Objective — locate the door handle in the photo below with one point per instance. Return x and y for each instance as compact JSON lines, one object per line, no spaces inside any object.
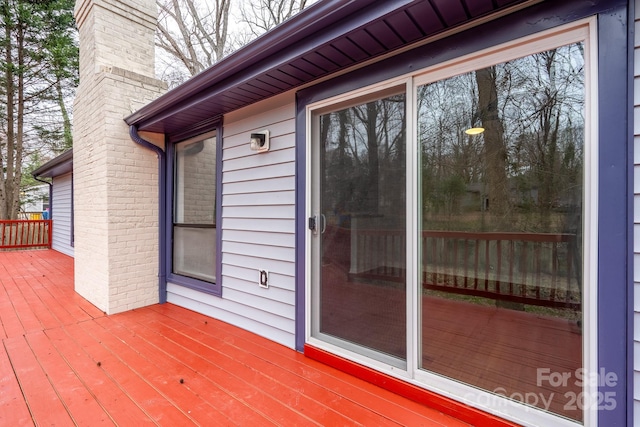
{"x":316,"y":222}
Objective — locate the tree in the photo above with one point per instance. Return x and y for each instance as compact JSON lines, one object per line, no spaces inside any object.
{"x":195,"y":34}
{"x":62,"y":54}
{"x":38,"y":73}
{"x":263,"y":15}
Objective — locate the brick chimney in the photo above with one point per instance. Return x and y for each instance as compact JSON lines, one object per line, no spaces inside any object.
{"x":115,"y":180}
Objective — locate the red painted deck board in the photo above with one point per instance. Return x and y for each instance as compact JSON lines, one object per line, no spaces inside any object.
{"x":13,"y":408}
{"x":323,"y":408}
{"x":379,"y":401}
{"x":265,"y":402}
{"x":77,"y":399}
{"x":64,"y":361}
{"x":42,"y":399}
{"x":120,"y":407}
{"x":9,"y":319}
{"x":24,"y":313}
{"x":45,"y":318}
{"x":160,"y":407}
{"x":283,"y":369}
{"x":161,"y":372}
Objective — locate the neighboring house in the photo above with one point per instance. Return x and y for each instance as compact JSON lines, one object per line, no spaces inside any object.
{"x":303,"y":189}
{"x":35,"y":200}
{"x":60,"y":173}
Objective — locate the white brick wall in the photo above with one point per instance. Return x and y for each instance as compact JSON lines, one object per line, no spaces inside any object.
{"x":116,"y":32}
{"x":115,"y":180}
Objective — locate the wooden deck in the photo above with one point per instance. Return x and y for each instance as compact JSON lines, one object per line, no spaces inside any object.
{"x":64,"y":362}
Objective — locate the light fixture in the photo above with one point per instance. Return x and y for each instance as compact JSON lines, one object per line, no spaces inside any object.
{"x":474,"y":131}
{"x":259,"y":141}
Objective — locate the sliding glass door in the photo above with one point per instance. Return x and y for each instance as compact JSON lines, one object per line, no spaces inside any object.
{"x":448,"y":211}
{"x":361,"y":226}
{"x":501,"y":178}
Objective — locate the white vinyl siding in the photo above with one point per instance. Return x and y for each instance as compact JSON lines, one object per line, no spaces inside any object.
{"x":258,"y":225}
{"x":61,"y":214}
{"x":636,"y":221}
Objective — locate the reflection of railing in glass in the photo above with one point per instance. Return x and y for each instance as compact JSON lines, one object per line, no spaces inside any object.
{"x":527,"y":268}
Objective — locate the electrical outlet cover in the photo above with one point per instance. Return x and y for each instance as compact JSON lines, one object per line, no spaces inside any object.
{"x":263,"y":279}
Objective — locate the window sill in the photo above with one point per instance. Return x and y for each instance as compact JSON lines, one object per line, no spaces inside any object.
{"x":195,"y":284}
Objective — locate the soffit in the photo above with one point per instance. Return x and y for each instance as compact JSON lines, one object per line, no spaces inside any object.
{"x":57,"y":166}
{"x":327,"y":38}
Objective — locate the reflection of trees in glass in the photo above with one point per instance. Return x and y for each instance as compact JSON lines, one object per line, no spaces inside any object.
{"x":363,"y":149}
{"x":524,"y":170}
{"x":551,"y":122}
{"x":495,"y":150}
{"x":449,"y":156}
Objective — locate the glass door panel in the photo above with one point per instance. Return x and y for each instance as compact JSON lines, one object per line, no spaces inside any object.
{"x":361,"y":230}
{"x":501,"y":187}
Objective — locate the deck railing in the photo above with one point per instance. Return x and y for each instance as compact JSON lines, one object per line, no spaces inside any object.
{"x":530,"y":268}
{"x":22,"y":234}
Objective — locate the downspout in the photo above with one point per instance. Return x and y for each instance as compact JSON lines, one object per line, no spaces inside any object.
{"x":50,"y":216}
{"x":162,"y":198}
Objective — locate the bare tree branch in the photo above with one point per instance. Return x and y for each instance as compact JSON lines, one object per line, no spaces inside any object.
{"x":263,"y":15}
{"x":194,"y":33}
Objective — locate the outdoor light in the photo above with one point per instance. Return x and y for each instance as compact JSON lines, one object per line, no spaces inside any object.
{"x":474,"y":131}
{"x":260,"y":141}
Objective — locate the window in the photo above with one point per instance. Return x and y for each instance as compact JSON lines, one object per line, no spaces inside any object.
{"x":194,"y":209}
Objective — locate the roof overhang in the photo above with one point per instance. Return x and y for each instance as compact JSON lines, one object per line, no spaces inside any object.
{"x":327,"y":38}
{"x":59,"y":165}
